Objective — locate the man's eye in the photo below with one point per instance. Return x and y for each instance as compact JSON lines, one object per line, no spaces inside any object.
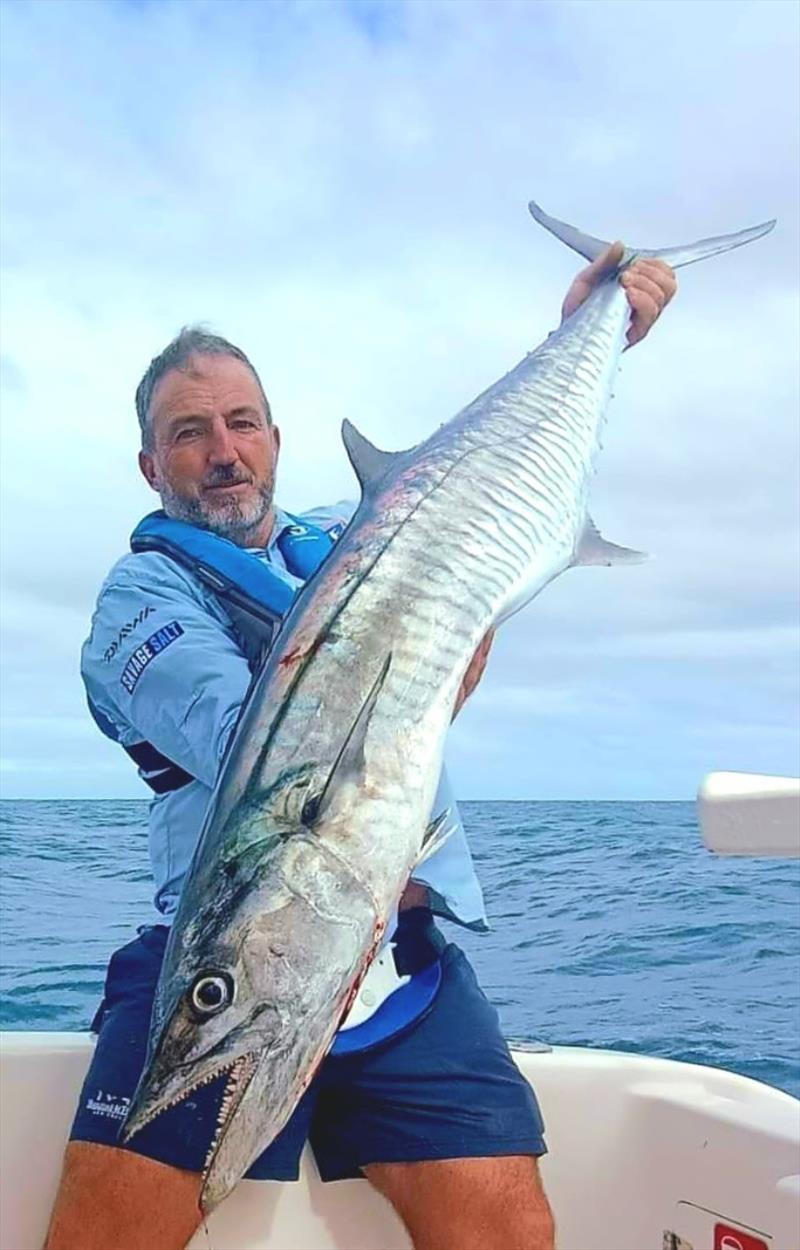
{"x":243,"y":424}
{"x":186,"y":433}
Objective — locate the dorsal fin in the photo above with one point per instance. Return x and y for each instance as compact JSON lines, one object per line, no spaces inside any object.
{"x":370,"y":463}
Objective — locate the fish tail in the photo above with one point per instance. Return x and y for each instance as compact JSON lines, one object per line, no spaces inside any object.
{"x":590,"y":247}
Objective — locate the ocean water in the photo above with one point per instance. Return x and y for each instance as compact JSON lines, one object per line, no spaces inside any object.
{"x":612,"y":927}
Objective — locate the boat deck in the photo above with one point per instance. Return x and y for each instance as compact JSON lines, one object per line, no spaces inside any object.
{"x":644,"y":1154}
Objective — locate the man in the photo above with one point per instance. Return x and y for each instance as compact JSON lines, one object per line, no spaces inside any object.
{"x":433,"y":1112}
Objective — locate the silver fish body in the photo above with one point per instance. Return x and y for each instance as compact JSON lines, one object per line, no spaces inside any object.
{"x":324,"y":801}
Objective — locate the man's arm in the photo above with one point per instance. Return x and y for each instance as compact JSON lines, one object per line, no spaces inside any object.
{"x":186,"y":696}
{"x":164,"y":668}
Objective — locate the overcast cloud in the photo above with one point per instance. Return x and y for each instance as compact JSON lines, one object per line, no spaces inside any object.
{"x":341,"y":188}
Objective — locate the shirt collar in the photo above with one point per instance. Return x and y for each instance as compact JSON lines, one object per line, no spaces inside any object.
{"x":282,"y":519}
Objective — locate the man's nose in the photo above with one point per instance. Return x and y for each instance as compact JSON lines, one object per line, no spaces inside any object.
{"x":222,"y":446}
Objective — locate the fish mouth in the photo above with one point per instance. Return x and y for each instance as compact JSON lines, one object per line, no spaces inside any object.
{"x":145,"y":1107}
{"x":240,"y":1074}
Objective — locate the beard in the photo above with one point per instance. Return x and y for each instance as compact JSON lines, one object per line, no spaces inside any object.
{"x":231,"y":518}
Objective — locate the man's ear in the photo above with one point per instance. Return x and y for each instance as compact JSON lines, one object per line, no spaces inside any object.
{"x":147,"y":465}
{"x":276,"y":444}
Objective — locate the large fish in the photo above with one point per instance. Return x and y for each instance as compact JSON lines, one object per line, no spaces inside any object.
{"x":323,"y":805}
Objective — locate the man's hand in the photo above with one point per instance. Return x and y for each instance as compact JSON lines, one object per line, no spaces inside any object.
{"x":474,"y":673}
{"x":648,"y":284}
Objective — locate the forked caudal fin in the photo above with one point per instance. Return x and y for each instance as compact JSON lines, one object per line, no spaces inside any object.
{"x":586,"y":245}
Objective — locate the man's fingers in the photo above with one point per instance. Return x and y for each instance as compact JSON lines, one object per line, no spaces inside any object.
{"x":649,"y":286}
{"x":648,"y":283}
{"x":645,"y":312}
{"x":639,"y":281}
{"x":478,"y":662}
{"x":659,"y":273}
{"x":474,"y":671}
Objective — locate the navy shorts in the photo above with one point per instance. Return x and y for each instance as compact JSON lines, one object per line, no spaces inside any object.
{"x":446,"y":1088}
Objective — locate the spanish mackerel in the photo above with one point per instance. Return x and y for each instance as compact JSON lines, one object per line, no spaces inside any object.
{"x":323,"y":805}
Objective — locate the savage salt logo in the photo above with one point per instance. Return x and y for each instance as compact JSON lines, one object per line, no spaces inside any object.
{"x":150,"y":648}
{"x":128,"y":628}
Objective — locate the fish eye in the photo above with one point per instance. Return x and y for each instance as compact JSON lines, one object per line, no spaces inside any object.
{"x":211,"y":992}
{"x":310,"y":810}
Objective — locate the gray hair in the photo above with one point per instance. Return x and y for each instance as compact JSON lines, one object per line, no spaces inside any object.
{"x":191,"y":341}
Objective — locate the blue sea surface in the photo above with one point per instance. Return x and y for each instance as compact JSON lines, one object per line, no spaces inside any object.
{"x":612,"y":927}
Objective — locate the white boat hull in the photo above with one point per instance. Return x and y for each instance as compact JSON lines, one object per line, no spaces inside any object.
{"x":639,"y":1148}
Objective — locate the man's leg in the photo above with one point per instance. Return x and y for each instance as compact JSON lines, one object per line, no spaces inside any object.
{"x":469,"y":1204}
{"x":142,"y":1199}
{"x":114,"y":1198}
{"x":441,"y":1121}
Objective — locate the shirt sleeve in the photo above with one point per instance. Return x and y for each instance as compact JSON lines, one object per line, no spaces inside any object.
{"x":164,"y":668}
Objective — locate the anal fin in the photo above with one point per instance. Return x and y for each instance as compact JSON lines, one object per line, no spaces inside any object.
{"x":592,"y":548}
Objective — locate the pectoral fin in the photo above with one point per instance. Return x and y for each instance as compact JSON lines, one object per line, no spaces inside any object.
{"x":349,"y":767}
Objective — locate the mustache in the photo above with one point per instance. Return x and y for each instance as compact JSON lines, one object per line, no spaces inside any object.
{"x":227,"y":475}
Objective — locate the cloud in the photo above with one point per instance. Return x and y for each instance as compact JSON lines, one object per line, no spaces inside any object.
{"x":341,"y":187}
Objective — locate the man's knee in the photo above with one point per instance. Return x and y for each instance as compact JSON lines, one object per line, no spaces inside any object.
{"x":111,"y":1197}
{"x":469,"y":1204}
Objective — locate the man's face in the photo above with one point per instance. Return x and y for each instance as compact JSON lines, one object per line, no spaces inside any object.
{"x":213,"y":451}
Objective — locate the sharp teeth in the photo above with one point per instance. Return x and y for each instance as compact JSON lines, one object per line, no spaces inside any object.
{"x":231,"y":1068}
{"x":239,"y":1074}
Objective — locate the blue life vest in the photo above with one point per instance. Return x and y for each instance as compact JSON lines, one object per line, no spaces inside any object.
{"x":235,"y":574}
{"x":257,"y":599}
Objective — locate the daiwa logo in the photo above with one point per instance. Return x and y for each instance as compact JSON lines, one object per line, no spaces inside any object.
{"x":112,"y":1106}
{"x":127,"y":628}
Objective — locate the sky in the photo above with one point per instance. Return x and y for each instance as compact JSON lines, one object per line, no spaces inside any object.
{"x":341,"y":189}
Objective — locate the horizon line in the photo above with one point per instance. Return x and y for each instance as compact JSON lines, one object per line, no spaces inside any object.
{"x":66,"y":798}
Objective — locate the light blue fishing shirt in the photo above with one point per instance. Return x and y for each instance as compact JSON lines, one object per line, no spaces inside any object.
{"x":185,"y":700}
